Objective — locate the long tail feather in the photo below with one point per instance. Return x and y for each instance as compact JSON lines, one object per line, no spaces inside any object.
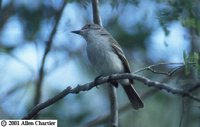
{"x":133,"y":96}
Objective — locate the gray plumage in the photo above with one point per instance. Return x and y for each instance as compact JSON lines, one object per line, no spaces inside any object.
{"x":107,"y":57}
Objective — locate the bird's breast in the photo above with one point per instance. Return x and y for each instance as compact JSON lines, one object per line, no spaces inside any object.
{"x":103,"y":59}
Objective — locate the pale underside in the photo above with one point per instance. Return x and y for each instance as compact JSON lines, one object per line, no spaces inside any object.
{"x":104,"y":60}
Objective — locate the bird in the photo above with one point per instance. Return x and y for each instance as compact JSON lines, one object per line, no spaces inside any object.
{"x":107,"y":57}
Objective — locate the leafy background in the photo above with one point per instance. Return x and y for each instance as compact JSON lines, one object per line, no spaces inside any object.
{"x":150,"y":32}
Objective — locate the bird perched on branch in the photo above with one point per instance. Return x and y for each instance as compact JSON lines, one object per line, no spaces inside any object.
{"x":107,"y":57}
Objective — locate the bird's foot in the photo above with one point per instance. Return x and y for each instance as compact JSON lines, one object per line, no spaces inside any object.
{"x":96,"y":79}
{"x":113,"y":82}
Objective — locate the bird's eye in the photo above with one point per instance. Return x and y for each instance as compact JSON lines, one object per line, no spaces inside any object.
{"x":89,"y":25}
{"x":86,"y":26}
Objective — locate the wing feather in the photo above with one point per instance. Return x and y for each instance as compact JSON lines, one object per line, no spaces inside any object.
{"x":117,"y":49}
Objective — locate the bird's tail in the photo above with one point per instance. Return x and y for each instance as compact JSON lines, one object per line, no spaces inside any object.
{"x":133,"y":96}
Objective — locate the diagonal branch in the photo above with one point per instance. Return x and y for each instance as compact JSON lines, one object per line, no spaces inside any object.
{"x":194,"y":87}
{"x":106,"y":79}
{"x":47,"y":49}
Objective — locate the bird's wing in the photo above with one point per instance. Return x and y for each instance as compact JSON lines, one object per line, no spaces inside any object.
{"x":117,"y":49}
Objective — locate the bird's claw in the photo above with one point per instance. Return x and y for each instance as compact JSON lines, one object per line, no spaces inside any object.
{"x":113,"y":82}
{"x":96,"y":79}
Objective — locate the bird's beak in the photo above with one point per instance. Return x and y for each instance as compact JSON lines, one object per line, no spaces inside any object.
{"x":77,"y":32}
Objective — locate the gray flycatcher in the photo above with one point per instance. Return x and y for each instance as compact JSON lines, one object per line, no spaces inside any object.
{"x":107,"y":57}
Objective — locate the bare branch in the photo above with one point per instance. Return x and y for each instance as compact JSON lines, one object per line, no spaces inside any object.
{"x":106,"y":79}
{"x":156,"y":65}
{"x":169,"y":73}
{"x":96,"y":14}
{"x":194,"y":87}
{"x":113,"y":105}
{"x":47,"y":49}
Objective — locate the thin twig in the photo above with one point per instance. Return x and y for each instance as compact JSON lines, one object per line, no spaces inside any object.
{"x":103,"y":80}
{"x":169,"y":73}
{"x":47,"y":49}
{"x":96,"y":14}
{"x":173,"y":71}
{"x":194,"y":87}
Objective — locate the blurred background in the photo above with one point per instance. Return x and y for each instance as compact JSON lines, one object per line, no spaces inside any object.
{"x":149,"y":31}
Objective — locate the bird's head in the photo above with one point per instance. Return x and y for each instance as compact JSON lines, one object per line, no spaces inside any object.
{"x":91,"y":31}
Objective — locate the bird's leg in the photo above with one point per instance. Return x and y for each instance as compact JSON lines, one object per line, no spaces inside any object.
{"x":113,"y":82}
